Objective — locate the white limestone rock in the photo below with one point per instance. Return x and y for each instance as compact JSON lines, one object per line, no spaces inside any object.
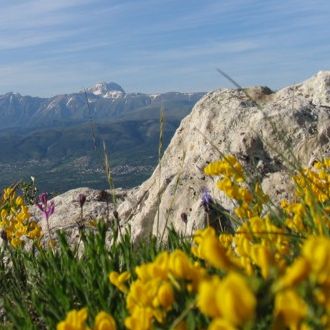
{"x":67,"y":214}
{"x":292,"y":123}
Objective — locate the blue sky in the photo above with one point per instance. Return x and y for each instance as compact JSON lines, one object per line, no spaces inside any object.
{"x":50,"y":47}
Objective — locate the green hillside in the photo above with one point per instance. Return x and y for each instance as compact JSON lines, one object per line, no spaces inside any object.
{"x":64,"y":158}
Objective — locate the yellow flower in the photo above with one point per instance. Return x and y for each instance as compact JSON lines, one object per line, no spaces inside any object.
{"x":236,"y":300}
{"x":263,"y":258}
{"x":229,"y":166}
{"x":15,"y":242}
{"x":34,"y":230}
{"x":8,"y":193}
{"x":3,"y":214}
{"x":165,"y":295}
{"x":317,"y":251}
{"x":104,"y":321}
{"x":294,"y":274}
{"x":312,"y":185}
{"x":259,"y":193}
{"x":226,"y":240}
{"x":210,"y":249}
{"x":179,"y":264}
{"x":158,"y":268}
{"x":141,"y":319}
{"x":119,"y":280}
{"x":245,"y":195}
{"x":249,"y":199}
{"x":206,"y":298}
{"x":15,"y":220}
{"x":221,"y":324}
{"x":75,"y":320}
{"x":230,"y":299}
{"x":19,"y":201}
{"x":215,"y":253}
{"x":214,"y":168}
{"x":290,"y":308}
{"x":229,"y":187}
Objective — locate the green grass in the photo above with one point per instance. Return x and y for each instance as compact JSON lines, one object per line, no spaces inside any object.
{"x":39,"y":287}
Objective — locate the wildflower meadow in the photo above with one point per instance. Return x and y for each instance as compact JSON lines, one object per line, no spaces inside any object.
{"x":269,"y":270}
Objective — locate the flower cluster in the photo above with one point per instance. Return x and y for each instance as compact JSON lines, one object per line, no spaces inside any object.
{"x":15,"y":219}
{"x":310,"y":214}
{"x":230,"y":302}
{"x":76,"y":320}
{"x":249,"y":198}
{"x":152,"y":295}
{"x":292,"y":253}
{"x":314,"y":182}
{"x":309,"y":273}
{"x":275,"y":264}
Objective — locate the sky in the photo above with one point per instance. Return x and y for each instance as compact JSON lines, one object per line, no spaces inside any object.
{"x":50,"y":47}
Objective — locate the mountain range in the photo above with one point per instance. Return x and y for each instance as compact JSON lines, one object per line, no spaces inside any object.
{"x":102,"y":102}
{"x":59,"y":140}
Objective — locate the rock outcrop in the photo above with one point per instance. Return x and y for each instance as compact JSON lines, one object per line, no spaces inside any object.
{"x":265,"y":130}
{"x":68,"y":214}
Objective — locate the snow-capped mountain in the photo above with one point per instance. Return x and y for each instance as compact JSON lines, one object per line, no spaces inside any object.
{"x":105,"y":101}
{"x":109,"y":90}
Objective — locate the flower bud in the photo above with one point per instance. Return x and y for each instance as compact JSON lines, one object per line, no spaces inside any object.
{"x":82,"y":200}
{"x":184,"y":217}
{"x":3,"y":235}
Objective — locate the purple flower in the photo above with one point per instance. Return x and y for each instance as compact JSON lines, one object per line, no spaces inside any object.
{"x":46,"y":208}
{"x":207,"y":199}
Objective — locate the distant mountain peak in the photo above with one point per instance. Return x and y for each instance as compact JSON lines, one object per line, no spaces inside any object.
{"x":106,"y":89}
{"x":13,"y":94}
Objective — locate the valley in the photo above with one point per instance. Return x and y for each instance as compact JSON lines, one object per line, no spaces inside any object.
{"x":59,"y":140}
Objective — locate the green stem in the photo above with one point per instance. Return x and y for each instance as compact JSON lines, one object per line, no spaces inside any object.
{"x":183,"y":315}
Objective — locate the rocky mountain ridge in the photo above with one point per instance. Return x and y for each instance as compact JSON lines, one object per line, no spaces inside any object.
{"x":105,"y":101}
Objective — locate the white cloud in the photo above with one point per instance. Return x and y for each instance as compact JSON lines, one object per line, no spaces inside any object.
{"x":199,"y":51}
{"x":36,"y":22}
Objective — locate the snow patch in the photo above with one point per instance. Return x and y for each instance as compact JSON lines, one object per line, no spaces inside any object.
{"x":109,"y":90}
{"x":114,"y":95}
{"x":69,"y":101}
